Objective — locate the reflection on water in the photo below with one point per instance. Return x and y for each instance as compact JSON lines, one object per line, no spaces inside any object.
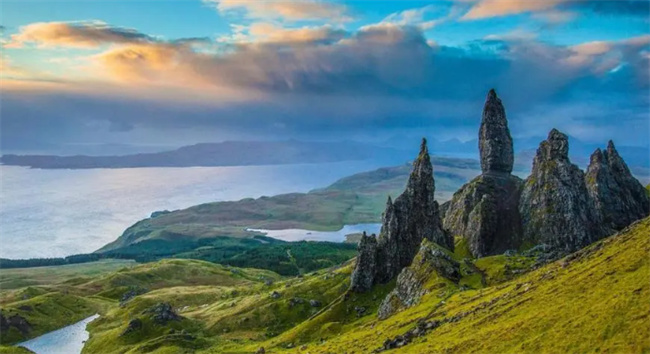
{"x":333,"y":236}
{"x":54,"y":213}
{"x":67,"y":340}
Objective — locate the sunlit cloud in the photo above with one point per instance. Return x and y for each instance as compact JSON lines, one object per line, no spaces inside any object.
{"x":297,"y":10}
{"x":495,"y":8}
{"x":86,"y":34}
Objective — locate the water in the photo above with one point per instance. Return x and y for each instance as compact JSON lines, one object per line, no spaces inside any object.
{"x":332,"y":236}
{"x":55,"y":213}
{"x":67,"y":340}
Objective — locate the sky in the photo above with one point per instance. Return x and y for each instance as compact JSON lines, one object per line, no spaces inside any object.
{"x":186,"y":71}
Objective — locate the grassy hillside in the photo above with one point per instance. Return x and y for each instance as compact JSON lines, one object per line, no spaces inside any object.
{"x":59,"y":303}
{"x":596,"y":300}
{"x":21,"y":277}
{"x":356,"y":199}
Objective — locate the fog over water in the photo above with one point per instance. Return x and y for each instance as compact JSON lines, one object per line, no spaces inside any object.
{"x":55,"y":213}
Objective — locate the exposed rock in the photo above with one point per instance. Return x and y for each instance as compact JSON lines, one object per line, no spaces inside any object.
{"x":261,"y":351}
{"x":618,"y":197}
{"x":431,"y":259}
{"x":158,"y":213}
{"x":315,"y":303}
{"x":163,"y":313}
{"x":364,"y":273}
{"x":413,"y":217}
{"x":295,"y":301}
{"x":494,"y":141}
{"x":131,"y":293}
{"x":275,"y":295}
{"x":360,"y":310}
{"x":17,"y":321}
{"x":555,"y":206}
{"x":134,"y":325}
{"x":485,"y":211}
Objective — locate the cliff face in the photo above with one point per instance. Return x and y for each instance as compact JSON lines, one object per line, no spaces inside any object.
{"x":485,"y":210}
{"x":555,"y":206}
{"x":412,"y":217}
{"x":618,"y":197}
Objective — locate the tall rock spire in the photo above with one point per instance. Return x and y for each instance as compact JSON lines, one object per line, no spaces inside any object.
{"x":412,"y":217}
{"x":494,"y":141}
{"x":618,"y":197}
{"x":485,"y":211}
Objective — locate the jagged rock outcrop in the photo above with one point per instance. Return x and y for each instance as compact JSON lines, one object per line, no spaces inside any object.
{"x":555,"y":206}
{"x":363,"y":276}
{"x":17,"y":321}
{"x":618,"y":197}
{"x":162,"y":313}
{"x":432,"y":268}
{"x":412,"y":217}
{"x":485,"y":211}
{"x":494,"y":140}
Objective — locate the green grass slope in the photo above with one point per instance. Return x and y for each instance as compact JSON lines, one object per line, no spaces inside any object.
{"x":22,"y":277}
{"x":216,"y":315}
{"x":596,"y":300}
{"x":64,"y":300}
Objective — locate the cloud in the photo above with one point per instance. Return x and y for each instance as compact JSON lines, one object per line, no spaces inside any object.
{"x":298,"y":10}
{"x":494,"y":8}
{"x":381,"y":78}
{"x":604,"y":56}
{"x":554,"y":11}
{"x":9,"y":70}
{"x":555,"y":17}
{"x":417,"y":17}
{"x":265,"y":33}
{"x":74,"y":34}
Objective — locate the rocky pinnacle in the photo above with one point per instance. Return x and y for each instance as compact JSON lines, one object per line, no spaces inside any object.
{"x":412,"y":217}
{"x":495,"y":142}
{"x":485,"y":211}
{"x":555,"y":207}
{"x":618,"y":197}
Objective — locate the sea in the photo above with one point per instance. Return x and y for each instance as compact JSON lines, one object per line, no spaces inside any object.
{"x":56,"y":213}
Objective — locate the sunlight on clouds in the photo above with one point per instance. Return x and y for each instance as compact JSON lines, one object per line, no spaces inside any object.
{"x":87,"y":34}
{"x":493,"y":8}
{"x":269,"y":33}
{"x":299,"y":10}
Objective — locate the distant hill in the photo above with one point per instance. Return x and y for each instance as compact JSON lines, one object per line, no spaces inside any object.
{"x":229,"y":153}
{"x":356,"y":199}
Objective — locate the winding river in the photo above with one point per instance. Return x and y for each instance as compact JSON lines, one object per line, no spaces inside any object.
{"x":67,"y":340}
